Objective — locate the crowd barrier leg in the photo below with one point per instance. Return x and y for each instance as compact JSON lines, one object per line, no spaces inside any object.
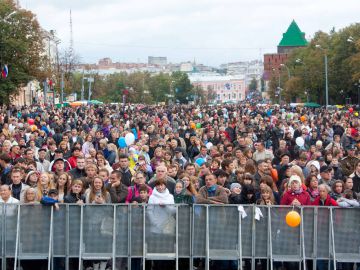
{"x":144,"y":237}
{"x":239,"y":243}
{"x":332,"y":237}
{"x":129,"y":237}
{"x":253,"y":240}
{"x":114,"y":239}
{"x":207,"y":240}
{"x":67,"y":235}
{"x":177,"y":238}
{"x":270,"y":240}
{"x":3,"y":236}
{"x":315,"y":238}
{"x":192,"y":225}
{"x":17,"y":241}
{"x":51,"y":238}
{"x":302,"y":242}
{"x":81,"y":237}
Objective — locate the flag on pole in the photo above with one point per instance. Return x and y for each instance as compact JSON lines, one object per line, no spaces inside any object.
{"x":5,"y":71}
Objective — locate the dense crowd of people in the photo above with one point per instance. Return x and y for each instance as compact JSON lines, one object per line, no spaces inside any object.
{"x":229,"y":154}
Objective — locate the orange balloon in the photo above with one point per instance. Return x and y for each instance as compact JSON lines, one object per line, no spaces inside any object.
{"x":33,"y":127}
{"x":192,"y":125}
{"x":303,"y":118}
{"x":293,"y":219}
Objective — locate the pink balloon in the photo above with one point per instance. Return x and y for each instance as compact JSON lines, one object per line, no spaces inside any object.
{"x":31,"y":121}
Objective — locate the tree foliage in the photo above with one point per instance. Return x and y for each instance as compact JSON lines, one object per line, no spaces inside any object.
{"x":307,"y":68}
{"x":140,"y":87}
{"x":21,"y":48}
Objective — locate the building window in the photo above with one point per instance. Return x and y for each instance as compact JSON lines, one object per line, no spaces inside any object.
{"x":234,"y":96}
{"x":218,"y":96}
{"x":229,"y":96}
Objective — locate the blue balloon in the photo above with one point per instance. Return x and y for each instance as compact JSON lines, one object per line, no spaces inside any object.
{"x":200,"y":161}
{"x":121,"y":142}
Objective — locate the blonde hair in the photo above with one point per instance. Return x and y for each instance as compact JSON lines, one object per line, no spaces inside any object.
{"x":50,"y":185}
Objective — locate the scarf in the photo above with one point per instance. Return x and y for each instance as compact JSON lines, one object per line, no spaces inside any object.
{"x":314,"y":193}
{"x":211,"y":190}
{"x":299,"y":191}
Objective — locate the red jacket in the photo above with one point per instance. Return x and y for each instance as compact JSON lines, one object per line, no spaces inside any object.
{"x":328,"y":202}
{"x":289,"y":196}
{"x":72,"y":161}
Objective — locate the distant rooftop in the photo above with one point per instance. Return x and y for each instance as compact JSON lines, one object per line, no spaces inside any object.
{"x":293,"y":37}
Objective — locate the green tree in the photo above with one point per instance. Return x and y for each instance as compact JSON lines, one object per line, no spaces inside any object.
{"x":252,"y":85}
{"x":21,"y":48}
{"x":181,"y":87}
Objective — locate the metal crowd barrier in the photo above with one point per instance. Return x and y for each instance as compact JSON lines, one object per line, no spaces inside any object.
{"x":173,"y":232}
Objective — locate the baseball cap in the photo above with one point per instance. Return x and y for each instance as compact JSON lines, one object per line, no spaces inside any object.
{"x":325,"y":168}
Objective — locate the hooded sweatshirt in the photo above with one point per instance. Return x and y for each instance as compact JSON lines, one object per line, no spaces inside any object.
{"x":161,"y":212}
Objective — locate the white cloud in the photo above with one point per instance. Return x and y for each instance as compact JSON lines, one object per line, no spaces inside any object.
{"x":212,"y":31}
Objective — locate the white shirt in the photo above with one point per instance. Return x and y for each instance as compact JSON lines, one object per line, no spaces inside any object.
{"x":10,"y":200}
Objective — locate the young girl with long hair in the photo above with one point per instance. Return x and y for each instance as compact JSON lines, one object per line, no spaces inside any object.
{"x":97,"y":192}
{"x":63,"y":185}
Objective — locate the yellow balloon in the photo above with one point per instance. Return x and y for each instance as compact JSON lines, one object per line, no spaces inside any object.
{"x":293,"y":219}
{"x":356,"y":114}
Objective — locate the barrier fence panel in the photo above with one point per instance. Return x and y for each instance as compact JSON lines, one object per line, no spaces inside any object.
{"x":60,"y":237}
{"x":97,"y":231}
{"x":199,"y":231}
{"x":122,"y":229}
{"x":74,"y":230}
{"x":309,"y":237}
{"x":223,"y":232}
{"x":34,"y":232}
{"x":285,"y":240}
{"x":10,"y":229}
{"x":261,"y":233}
{"x":323,"y":233}
{"x":184,"y":227}
{"x":136,"y":230}
{"x":346,"y":232}
{"x":169,"y":232}
{"x":160,"y":227}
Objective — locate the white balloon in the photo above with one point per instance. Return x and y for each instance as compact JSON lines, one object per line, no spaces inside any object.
{"x":300,"y":141}
{"x":129,"y":139}
{"x":209,"y":145}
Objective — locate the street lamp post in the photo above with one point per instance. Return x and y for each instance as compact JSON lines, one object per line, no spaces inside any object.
{"x":326,"y":75}
{"x":287,"y":68}
{"x":279,"y":87}
{"x":358,"y":91}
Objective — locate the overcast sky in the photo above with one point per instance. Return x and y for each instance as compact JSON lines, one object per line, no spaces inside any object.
{"x":210,"y":31}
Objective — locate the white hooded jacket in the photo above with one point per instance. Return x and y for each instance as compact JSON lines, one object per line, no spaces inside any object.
{"x":161,"y":211}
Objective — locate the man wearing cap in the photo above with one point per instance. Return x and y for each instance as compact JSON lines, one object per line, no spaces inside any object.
{"x":348,"y":162}
{"x":178,"y":158}
{"x":59,"y":166}
{"x":44,"y":162}
{"x":326,"y":177}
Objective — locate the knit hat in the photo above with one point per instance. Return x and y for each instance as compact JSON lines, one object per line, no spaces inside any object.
{"x":293,"y":178}
{"x":234,"y":185}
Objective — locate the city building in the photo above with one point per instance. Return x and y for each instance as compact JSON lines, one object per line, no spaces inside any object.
{"x":249,"y":69}
{"x":157,"y":60}
{"x":219,"y":88}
